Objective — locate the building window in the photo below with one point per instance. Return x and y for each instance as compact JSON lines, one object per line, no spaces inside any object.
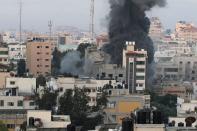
{"x":38,"y":59}
{"x":20,"y":103}
{"x":61,"y":89}
{"x":110,"y":75}
{"x":140,"y":62}
{"x":10,"y":126}
{"x":1,"y":102}
{"x":140,"y":77}
{"x":10,"y":103}
{"x":38,"y":66}
{"x":47,"y":53}
{"x":38,"y":46}
{"x":46,"y":65}
{"x":140,"y":70}
{"x":47,"y":46}
{"x":120,"y":75}
{"x":38,"y":53}
{"x":111,"y":104}
{"x":46,"y":59}
{"x":12,"y":82}
{"x":31,"y":103}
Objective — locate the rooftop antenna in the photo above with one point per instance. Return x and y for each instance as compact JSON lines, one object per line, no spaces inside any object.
{"x":92,"y":21}
{"x":20,"y":21}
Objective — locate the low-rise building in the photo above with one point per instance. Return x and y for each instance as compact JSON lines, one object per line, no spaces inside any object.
{"x":94,"y":86}
{"x":4,"y":59}
{"x":24,"y":85}
{"x":111,"y":72}
{"x":42,"y":120}
{"x":121,"y":104}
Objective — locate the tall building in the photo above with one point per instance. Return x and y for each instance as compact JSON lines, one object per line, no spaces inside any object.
{"x":135,"y":62}
{"x":156,"y":29}
{"x":16,"y":52}
{"x":186,"y":31}
{"x":39,"y":57}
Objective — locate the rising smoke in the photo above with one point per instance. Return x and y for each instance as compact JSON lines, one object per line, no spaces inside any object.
{"x":128,"y":22}
{"x":72,"y":63}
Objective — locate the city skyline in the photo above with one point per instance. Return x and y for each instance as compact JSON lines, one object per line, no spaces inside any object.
{"x":36,"y":14}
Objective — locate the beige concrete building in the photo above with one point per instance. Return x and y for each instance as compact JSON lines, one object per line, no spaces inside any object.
{"x":3,"y":76}
{"x":186,"y":31}
{"x":39,"y":57}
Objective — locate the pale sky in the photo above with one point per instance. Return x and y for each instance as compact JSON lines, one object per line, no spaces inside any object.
{"x":37,"y":13}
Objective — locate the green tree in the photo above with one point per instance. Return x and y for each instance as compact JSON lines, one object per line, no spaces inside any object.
{"x":47,"y":101}
{"x":21,"y":67}
{"x":102,"y":101}
{"x":166,"y":104}
{"x":3,"y":127}
{"x":40,"y":81}
{"x":75,"y":103}
{"x":56,"y":61}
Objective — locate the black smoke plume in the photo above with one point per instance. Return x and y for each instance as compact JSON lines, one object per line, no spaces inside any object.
{"x":128,"y":22}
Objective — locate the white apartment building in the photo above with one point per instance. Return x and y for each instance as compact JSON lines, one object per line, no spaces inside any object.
{"x":16,"y":103}
{"x":135,"y":62}
{"x":17,"y":52}
{"x":186,"y":31}
{"x":24,"y":85}
{"x":90,"y":84}
{"x":4,"y":56}
{"x":156,"y":28}
{"x":182,"y":67}
{"x":8,"y":37}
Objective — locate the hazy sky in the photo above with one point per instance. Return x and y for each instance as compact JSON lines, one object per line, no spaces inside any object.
{"x":37,"y":13}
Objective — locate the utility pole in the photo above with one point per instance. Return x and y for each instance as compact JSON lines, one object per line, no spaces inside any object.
{"x":92,"y":21}
{"x":50,"y":30}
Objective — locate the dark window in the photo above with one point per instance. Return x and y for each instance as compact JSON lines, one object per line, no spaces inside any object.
{"x":31,"y":103}
{"x":1,"y":102}
{"x":47,"y":46}
{"x":12,"y":82}
{"x":171,"y":70}
{"x":10,"y":103}
{"x":61,"y":89}
{"x":140,"y":62}
{"x":20,"y":103}
{"x":10,"y":126}
{"x":120,"y":75}
{"x":140,"y":77}
{"x":110,"y":75}
{"x":140,"y":70}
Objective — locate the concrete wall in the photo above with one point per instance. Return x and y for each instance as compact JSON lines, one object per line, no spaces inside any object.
{"x":25,"y":85}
